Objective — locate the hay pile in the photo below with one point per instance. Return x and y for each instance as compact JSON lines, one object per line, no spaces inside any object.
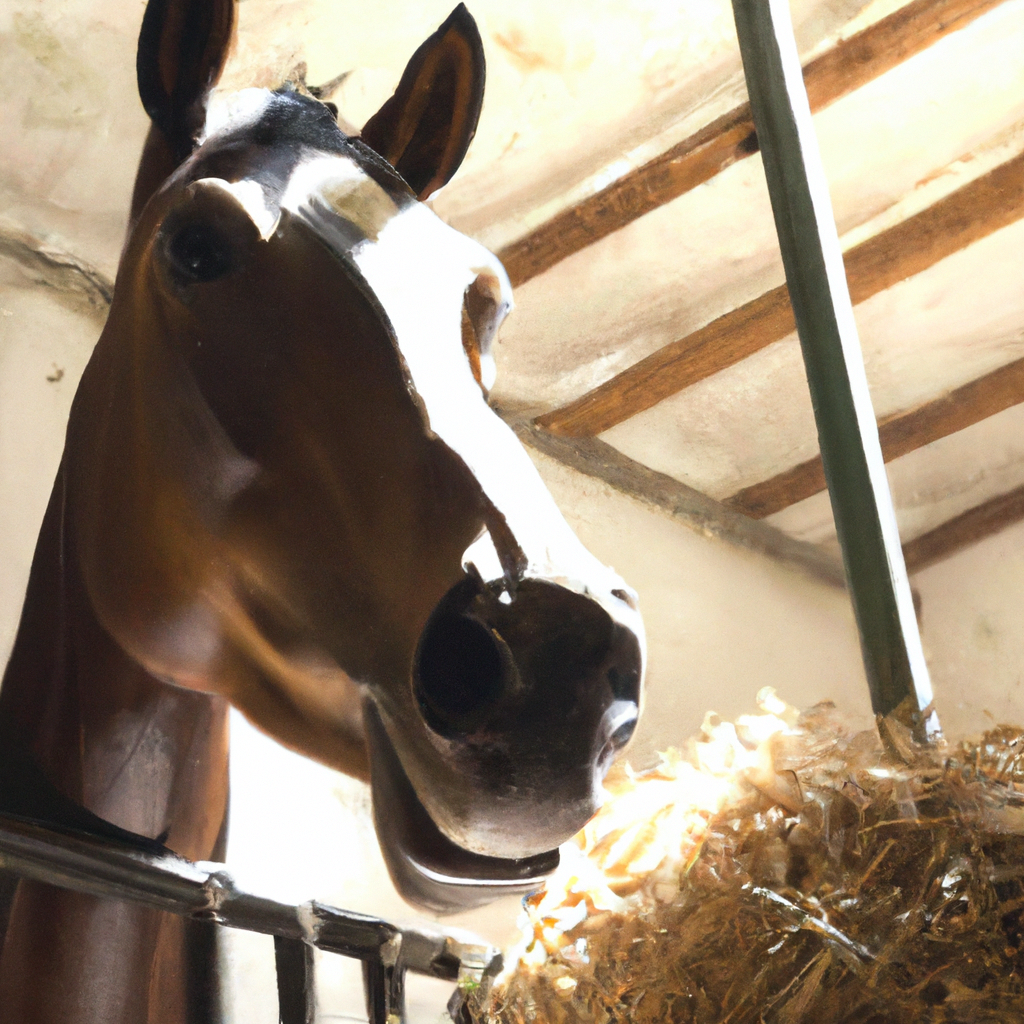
{"x":785,"y":869}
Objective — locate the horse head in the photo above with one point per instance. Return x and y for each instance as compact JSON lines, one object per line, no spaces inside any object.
{"x":289,"y":486}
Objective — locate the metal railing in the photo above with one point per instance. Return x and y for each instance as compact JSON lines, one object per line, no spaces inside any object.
{"x":205,"y":891}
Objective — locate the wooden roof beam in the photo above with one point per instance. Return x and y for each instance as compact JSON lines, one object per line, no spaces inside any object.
{"x":975,"y":210}
{"x":718,"y":521}
{"x":899,"y":433}
{"x":708,"y":517}
{"x":843,"y":69}
{"x":985,"y":520}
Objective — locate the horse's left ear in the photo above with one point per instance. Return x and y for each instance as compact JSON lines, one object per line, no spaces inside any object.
{"x":424,"y":130}
{"x":183,"y":45}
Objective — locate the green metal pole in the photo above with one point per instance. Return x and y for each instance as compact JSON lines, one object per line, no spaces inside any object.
{"x":847,"y":431}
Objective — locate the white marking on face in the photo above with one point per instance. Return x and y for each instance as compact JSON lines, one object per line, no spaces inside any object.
{"x":345,"y":188}
{"x":483,"y":556}
{"x":230,"y":111}
{"x":250,"y":196}
{"x":418,"y":268}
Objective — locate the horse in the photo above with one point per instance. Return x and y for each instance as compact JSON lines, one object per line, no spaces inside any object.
{"x":283,"y":489}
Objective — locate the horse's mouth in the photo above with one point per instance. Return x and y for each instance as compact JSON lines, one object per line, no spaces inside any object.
{"x":428,"y":869}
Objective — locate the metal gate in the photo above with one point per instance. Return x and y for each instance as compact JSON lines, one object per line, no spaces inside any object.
{"x":206,"y":892}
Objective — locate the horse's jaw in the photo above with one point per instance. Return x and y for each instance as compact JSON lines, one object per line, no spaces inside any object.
{"x":427,"y":868}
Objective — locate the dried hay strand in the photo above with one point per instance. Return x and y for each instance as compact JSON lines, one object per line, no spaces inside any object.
{"x":785,"y":869}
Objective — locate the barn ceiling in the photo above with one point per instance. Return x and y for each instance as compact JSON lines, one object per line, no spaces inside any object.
{"x":616,"y":172}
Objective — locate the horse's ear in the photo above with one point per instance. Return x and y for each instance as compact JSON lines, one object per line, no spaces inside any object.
{"x":183,"y":45}
{"x":182,"y":48}
{"x":424,"y":130}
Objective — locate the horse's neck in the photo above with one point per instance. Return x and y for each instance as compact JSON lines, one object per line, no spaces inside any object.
{"x":145,"y":756}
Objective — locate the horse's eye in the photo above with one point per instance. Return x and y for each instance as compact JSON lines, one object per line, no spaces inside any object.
{"x":483,"y":309}
{"x":200,"y":252}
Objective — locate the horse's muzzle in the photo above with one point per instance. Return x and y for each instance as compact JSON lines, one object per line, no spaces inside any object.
{"x":539,"y":658}
{"x":526,"y":697}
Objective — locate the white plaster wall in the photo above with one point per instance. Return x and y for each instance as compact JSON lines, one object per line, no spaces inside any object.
{"x":44,"y":346}
{"x":973,"y":630}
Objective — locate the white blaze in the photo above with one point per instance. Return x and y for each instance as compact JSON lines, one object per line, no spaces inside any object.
{"x":419,"y":269}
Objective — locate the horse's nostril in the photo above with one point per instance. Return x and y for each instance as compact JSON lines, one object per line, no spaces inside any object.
{"x":459,"y":671}
{"x":623,"y":734}
{"x":620,"y":722}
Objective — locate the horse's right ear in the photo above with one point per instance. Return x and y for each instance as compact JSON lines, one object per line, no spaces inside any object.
{"x":183,"y":45}
{"x":424,"y":130}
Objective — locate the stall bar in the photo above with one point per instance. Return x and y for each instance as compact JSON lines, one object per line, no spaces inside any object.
{"x":847,"y":431}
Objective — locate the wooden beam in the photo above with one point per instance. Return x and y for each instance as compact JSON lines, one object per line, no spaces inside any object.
{"x":719,"y":521}
{"x":721,"y":343}
{"x":968,"y":528}
{"x":977,"y":209}
{"x":710,"y":518}
{"x":900,"y":433}
{"x":843,"y":69}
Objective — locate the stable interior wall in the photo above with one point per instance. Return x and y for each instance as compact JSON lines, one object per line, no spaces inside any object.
{"x":973,"y":630}
{"x":722,"y":621}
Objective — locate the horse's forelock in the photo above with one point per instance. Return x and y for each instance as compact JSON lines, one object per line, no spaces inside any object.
{"x":280,"y":117}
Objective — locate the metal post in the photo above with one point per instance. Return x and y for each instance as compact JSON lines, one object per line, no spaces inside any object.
{"x":384,"y":987}
{"x":847,"y":430}
{"x":296,"y":985}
